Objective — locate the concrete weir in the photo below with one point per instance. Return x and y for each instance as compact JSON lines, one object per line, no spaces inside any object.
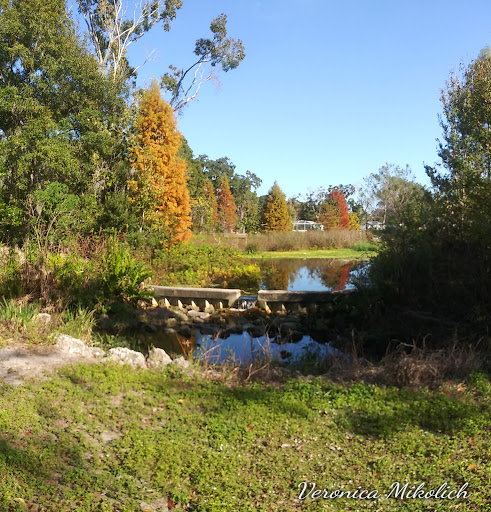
{"x":277,"y":300}
{"x":198,"y":297}
{"x":269,"y":300}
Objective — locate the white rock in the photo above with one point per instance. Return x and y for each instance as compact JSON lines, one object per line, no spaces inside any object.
{"x":158,"y":358}
{"x":181,"y":362}
{"x":44,"y":317}
{"x":71,"y":345}
{"x":198,"y":314}
{"x":123,"y":355}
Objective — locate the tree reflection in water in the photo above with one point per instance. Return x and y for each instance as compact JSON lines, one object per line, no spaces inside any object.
{"x":314,"y":274}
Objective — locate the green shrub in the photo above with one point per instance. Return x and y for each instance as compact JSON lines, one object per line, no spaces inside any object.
{"x":364,"y":246}
{"x":17,"y":316}
{"x":205,"y":265}
{"x":11,"y":276}
{"x":120,"y":275}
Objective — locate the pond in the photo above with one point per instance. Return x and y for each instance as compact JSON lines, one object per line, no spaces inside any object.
{"x":315,"y":274}
{"x":319,"y":274}
{"x":243,"y":348}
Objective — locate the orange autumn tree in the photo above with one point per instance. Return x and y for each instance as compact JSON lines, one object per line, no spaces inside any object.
{"x":334,"y":211}
{"x":227,"y":209}
{"x":159,"y":184}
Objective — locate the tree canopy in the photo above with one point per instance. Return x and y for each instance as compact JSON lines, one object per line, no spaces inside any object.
{"x":60,"y":120}
{"x":275,"y":213}
{"x":463,"y":179}
{"x":159,"y":184}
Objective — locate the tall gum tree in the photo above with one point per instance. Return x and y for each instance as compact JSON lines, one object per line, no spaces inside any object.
{"x":159,"y":185}
{"x":114,"y":25}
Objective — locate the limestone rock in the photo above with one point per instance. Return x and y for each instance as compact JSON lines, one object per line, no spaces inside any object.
{"x":123,"y":355}
{"x":181,"y":362}
{"x":71,"y":345}
{"x":44,"y":317}
{"x":158,"y":358}
{"x":192,"y":313}
{"x":172,"y":322}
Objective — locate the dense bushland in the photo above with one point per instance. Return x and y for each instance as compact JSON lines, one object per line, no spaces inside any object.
{"x":436,"y":264}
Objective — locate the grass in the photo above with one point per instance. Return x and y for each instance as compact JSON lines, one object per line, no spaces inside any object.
{"x":289,"y":241}
{"x":107,"y":438}
{"x":345,"y":254}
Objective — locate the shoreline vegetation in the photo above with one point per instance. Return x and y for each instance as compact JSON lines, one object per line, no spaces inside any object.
{"x":342,"y":254}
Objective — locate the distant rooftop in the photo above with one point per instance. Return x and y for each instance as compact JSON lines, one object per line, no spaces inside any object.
{"x":306,"y":225}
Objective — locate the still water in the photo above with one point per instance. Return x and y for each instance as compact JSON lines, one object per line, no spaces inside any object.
{"x":280,"y":274}
{"x":316,"y":274}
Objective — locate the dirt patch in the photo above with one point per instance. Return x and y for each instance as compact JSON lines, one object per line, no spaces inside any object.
{"x":21,"y":362}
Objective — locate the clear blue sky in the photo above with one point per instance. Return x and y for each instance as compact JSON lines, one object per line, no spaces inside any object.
{"x":329,"y":91}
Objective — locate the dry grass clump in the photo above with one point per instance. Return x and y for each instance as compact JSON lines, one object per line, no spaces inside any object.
{"x":289,"y":241}
{"x":413,"y":366}
{"x":406,"y":366}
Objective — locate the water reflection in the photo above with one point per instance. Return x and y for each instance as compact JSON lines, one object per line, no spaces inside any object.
{"x":238,"y":348}
{"x":245,"y":349}
{"x":315,"y":274}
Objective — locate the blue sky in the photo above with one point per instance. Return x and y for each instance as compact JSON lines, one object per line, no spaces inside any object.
{"x":329,"y":91}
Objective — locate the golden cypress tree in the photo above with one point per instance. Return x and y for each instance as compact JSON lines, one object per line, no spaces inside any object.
{"x":159,"y":187}
{"x":212,"y":200}
{"x":227,"y":209}
{"x":275,"y":213}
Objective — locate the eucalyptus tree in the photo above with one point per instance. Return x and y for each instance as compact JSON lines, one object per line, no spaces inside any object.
{"x":114,"y":25}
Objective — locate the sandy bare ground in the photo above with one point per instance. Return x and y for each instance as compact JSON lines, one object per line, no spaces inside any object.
{"x":20,"y":362}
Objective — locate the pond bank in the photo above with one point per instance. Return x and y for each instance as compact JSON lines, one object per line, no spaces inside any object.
{"x":342,"y":254}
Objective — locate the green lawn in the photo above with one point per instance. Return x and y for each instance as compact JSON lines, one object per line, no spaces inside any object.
{"x":345,"y":254}
{"x":104,"y":438}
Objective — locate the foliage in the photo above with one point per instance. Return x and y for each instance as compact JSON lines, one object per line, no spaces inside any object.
{"x":205,"y":265}
{"x":463,"y":179}
{"x":53,"y":215}
{"x":204,"y":209}
{"x":115,"y":275}
{"x":159,"y":186}
{"x":219,"y":52}
{"x":10,"y":274}
{"x":275,"y":215}
{"x":354,"y":222}
{"x":243,"y":188}
{"x":17,"y":315}
{"x":391,"y":193}
{"x":111,"y":33}
{"x":334,"y":211}
{"x":60,"y":120}
{"x":310,"y":207}
{"x":365,"y":246}
{"x":78,"y":323}
{"x":120,"y":275}
{"x":227,"y":209}
{"x":438,"y":260}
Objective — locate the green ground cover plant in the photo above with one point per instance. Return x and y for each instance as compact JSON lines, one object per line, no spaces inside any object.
{"x":110,"y":438}
{"x":343,"y":254}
